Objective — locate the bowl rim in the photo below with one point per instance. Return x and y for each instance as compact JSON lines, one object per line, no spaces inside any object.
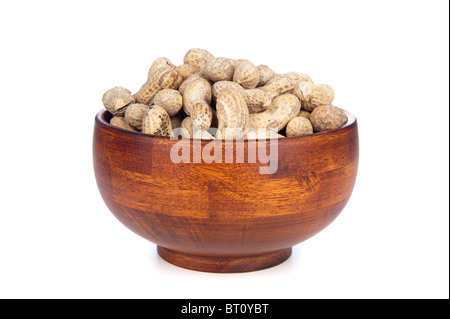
{"x":101,"y":121}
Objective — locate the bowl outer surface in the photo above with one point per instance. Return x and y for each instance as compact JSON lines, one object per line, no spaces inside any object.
{"x":225,"y":209}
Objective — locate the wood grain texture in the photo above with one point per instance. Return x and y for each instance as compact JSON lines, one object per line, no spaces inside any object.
{"x":225,"y":217}
{"x":225,"y":264}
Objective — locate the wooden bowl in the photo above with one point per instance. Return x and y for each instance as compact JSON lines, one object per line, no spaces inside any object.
{"x":225,"y":217}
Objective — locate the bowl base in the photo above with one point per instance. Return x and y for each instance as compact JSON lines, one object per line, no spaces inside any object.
{"x":225,"y":264}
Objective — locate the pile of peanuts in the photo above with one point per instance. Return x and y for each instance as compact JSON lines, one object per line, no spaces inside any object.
{"x":239,"y":99}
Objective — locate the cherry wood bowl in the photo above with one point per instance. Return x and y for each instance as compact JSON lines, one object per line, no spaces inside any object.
{"x":225,"y":217}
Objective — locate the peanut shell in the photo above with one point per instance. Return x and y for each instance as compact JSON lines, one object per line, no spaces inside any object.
{"x":328,"y":117}
{"x":188,"y":81}
{"x":157,"y":122}
{"x":265,"y":74}
{"x":237,"y":62}
{"x":314,"y":95}
{"x":284,"y":83}
{"x":197,"y":58}
{"x":257,"y":100}
{"x":135,"y":114}
{"x":304,"y":114}
{"x":197,"y":91}
{"x":219,"y":69}
{"x":170,"y":100}
{"x":299,"y":126}
{"x":164,"y":78}
{"x":116,"y":99}
{"x":185,"y":70}
{"x":220,"y":86}
{"x":202,"y":115}
{"x":280,"y":112}
{"x":160,"y":63}
{"x":232,"y":113}
{"x":247,"y":75}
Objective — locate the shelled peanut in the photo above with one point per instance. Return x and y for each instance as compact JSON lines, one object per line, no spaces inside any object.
{"x":233,"y":96}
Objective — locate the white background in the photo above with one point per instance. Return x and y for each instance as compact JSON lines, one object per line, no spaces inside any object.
{"x":388,"y":64}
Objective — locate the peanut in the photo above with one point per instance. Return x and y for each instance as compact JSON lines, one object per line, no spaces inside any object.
{"x":185,"y":70}
{"x":284,"y":83}
{"x":279,"y":86}
{"x":196,"y":102}
{"x":116,"y":99}
{"x":120,"y":122}
{"x":237,"y":62}
{"x":170,"y":100}
{"x":293,"y":76}
{"x":232,"y":112}
{"x":246,"y":98}
{"x":164,"y":78}
{"x":276,"y":77}
{"x":202,"y":115}
{"x":189,"y":132}
{"x":198,"y":90}
{"x":304,"y":114}
{"x":257,"y":100}
{"x":247,"y":75}
{"x":220,"y":86}
{"x":197,"y":59}
{"x":298,"y":77}
{"x":135,"y":114}
{"x":265,"y":74}
{"x":327,"y":117}
{"x":159,"y":63}
{"x":280,"y":112}
{"x":299,"y":126}
{"x":314,"y":95}
{"x":162,"y":74}
{"x":188,"y":81}
{"x":219,"y":69}
{"x":156,"y":122}
{"x":194,"y":62}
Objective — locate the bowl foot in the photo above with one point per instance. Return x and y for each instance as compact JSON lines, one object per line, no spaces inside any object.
{"x":224,"y":264}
